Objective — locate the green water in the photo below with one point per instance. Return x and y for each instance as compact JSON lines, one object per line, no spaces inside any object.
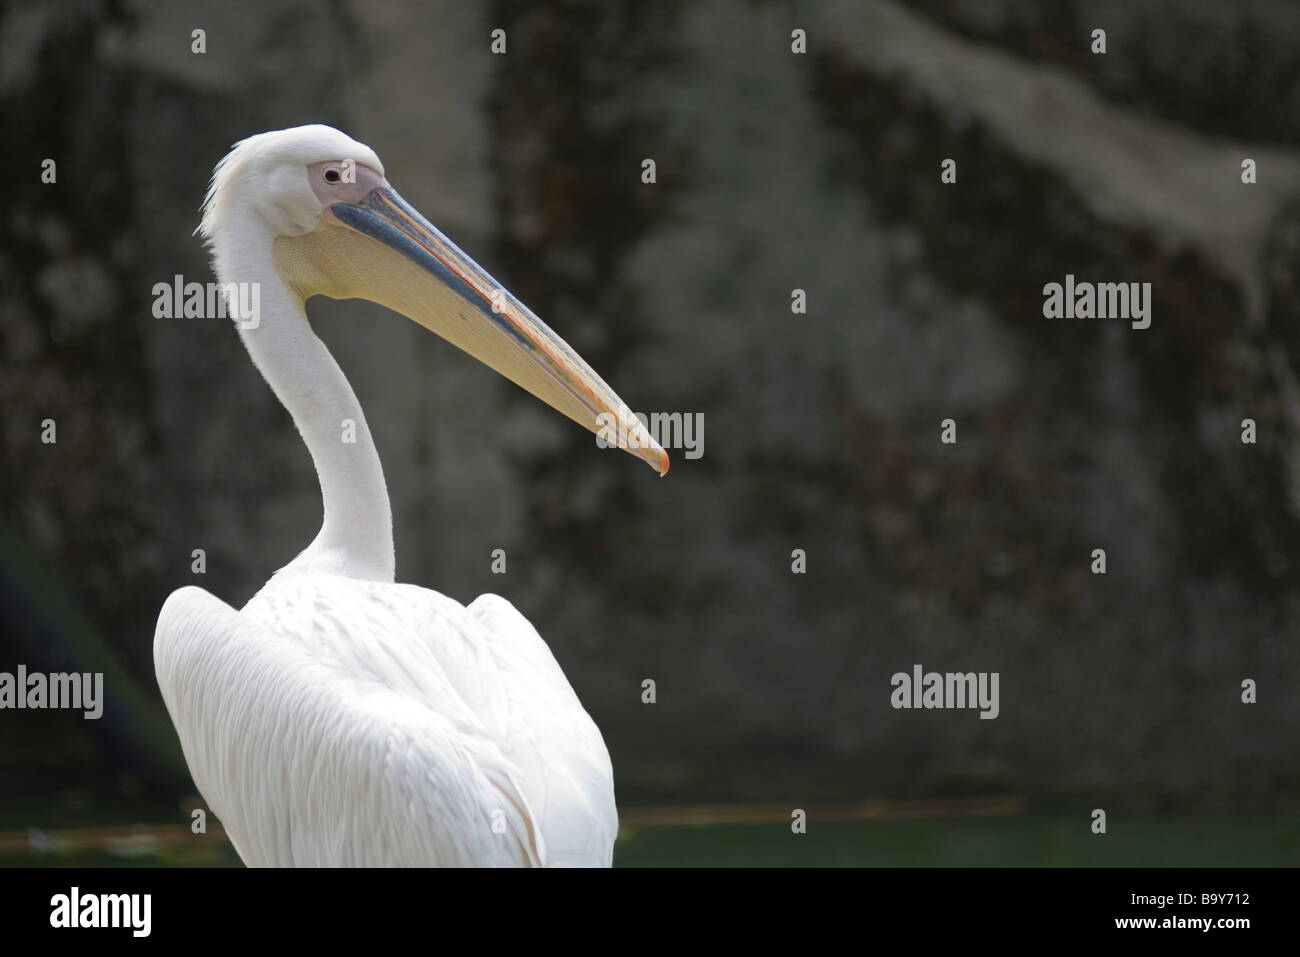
{"x":1026,"y":840}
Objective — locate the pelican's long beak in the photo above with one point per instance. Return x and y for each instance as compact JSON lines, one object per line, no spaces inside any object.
{"x":383,"y":250}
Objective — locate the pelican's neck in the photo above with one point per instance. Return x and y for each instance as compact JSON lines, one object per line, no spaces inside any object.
{"x":356,"y":537}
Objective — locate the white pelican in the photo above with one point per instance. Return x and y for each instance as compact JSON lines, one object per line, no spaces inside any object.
{"x":339,"y":718}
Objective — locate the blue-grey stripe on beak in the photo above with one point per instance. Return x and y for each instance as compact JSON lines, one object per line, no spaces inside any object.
{"x":545,"y":364}
{"x":374,"y":219}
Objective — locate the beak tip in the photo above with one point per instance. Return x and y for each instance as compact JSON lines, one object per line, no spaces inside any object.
{"x":653,"y":454}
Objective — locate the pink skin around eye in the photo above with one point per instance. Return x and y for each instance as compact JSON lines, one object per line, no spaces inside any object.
{"x":341,"y":192}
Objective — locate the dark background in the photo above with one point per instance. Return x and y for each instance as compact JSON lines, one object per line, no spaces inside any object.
{"x":775,"y":171}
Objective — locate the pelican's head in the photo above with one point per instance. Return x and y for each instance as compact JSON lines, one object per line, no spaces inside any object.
{"x":336,"y":227}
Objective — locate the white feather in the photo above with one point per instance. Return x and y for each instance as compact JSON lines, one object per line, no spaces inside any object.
{"x":340,"y":722}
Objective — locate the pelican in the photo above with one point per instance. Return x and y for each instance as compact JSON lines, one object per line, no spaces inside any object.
{"x":339,"y":718}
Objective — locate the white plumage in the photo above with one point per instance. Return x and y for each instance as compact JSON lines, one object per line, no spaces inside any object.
{"x":343,"y":722}
{"x":339,"y":718}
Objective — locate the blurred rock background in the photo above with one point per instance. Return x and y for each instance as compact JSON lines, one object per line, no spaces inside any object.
{"x":775,"y":171}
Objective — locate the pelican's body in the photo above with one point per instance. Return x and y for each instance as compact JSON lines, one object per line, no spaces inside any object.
{"x":339,"y":718}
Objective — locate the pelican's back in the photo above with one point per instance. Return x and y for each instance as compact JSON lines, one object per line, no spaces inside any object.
{"x":341,"y":722}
